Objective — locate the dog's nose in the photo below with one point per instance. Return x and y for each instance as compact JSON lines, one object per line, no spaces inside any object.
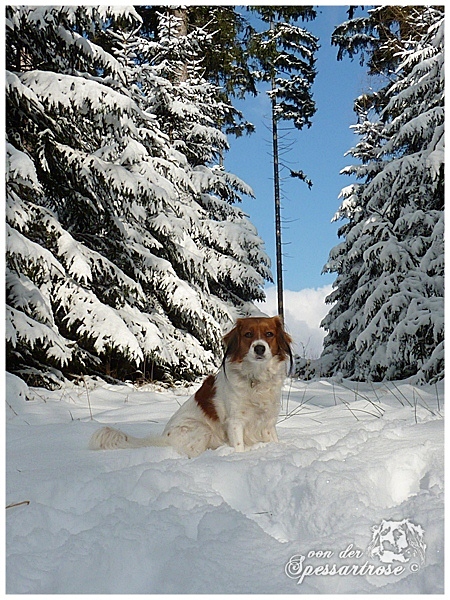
{"x":259,"y":349}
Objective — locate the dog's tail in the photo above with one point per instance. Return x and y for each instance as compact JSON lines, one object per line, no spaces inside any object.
{"x":112,"y":439}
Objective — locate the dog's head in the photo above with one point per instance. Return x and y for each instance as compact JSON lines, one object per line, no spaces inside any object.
{"x":258,"y":339}
{"x":397,"y":541}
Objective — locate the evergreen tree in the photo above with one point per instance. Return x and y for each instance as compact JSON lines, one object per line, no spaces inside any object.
{"x":285,"y":57}
{"x":221,"y":48}
{"x":388,"y":316}
{"x":347,"y":259}
{"x":125,"y":253}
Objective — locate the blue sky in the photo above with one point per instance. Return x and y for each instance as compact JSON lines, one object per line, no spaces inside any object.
{"x":308,"y":234}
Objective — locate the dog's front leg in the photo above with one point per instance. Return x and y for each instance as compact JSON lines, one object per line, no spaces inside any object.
{"x":235,"y":431}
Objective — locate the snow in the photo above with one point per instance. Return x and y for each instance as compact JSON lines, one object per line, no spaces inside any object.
{"x":350,"y":456}
{"x":20,"y":166}
{"x":70,"y":92}
{"x":23,"y":248}
{"x":20,"y":326}
{"x":97,"y":321}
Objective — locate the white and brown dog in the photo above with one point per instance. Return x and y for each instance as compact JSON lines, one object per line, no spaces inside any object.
{"x":238,"y":406}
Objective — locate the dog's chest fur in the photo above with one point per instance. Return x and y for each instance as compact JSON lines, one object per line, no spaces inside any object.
{"x":257,"y":392}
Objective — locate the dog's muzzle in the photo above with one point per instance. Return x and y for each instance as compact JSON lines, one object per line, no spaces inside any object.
{"x":260,"y":350}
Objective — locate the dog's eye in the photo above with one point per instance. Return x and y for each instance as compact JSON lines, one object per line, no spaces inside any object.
{"x":269,"y":334}
{"x":249,"y":334}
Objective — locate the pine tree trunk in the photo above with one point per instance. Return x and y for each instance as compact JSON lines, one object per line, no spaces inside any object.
{"x":276,"y":183}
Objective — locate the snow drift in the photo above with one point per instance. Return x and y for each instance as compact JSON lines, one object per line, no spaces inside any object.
{"x":351,"y":457}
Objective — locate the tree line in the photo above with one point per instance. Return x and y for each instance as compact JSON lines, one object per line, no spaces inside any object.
{"x":127,"y":253}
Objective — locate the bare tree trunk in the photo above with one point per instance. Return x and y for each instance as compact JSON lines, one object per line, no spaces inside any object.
{"x":276,"y":183}
{"x":276,"y":188}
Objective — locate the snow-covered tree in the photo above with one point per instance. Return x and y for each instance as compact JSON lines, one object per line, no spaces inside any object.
{"x":224,"y":62}
{"x":285,"y":55}
{"x":125,"y":253}
{"x":387,"y":320}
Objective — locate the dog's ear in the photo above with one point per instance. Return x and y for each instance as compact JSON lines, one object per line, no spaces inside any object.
{"x":231,"y":341}
{"x":284,"y":341}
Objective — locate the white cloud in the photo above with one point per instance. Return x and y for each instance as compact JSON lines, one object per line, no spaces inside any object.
{"x":303,"y":312}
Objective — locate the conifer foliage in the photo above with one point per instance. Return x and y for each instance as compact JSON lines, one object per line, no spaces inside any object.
{"x":387,"y":320}
{"x":285,"y":55}
{"x":125,"y":252}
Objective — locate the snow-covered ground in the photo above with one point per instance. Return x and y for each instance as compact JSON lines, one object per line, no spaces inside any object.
{"x":293,"y":517}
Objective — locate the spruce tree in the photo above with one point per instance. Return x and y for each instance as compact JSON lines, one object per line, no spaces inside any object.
{"x":388,"y":316}
{"x":110,"y":206}
{"x":222,"y":50}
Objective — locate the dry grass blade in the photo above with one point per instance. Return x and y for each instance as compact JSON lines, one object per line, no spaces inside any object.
{"x":18,"y":504}
{"x":366,"y":398}
{"x":401,"y":394}
{"x":426,"y":407}
{"x":295,"y":411}
{"x":9,"y":405}
{"x":347,"y":405}
{"x":437,"y":397}
{"x":360,"y":410}
{"x":334,"y":395}
{"x":88,"y":397}
{"x":375,"y":392}
{"x":289,"y":394}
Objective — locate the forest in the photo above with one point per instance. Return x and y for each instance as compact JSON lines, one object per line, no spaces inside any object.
{"x":127,"y":254}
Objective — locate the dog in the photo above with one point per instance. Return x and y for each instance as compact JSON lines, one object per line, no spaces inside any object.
{"x":238,"y":406}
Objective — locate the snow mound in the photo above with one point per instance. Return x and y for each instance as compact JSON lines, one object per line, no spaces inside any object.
{"x":350,"y":457}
